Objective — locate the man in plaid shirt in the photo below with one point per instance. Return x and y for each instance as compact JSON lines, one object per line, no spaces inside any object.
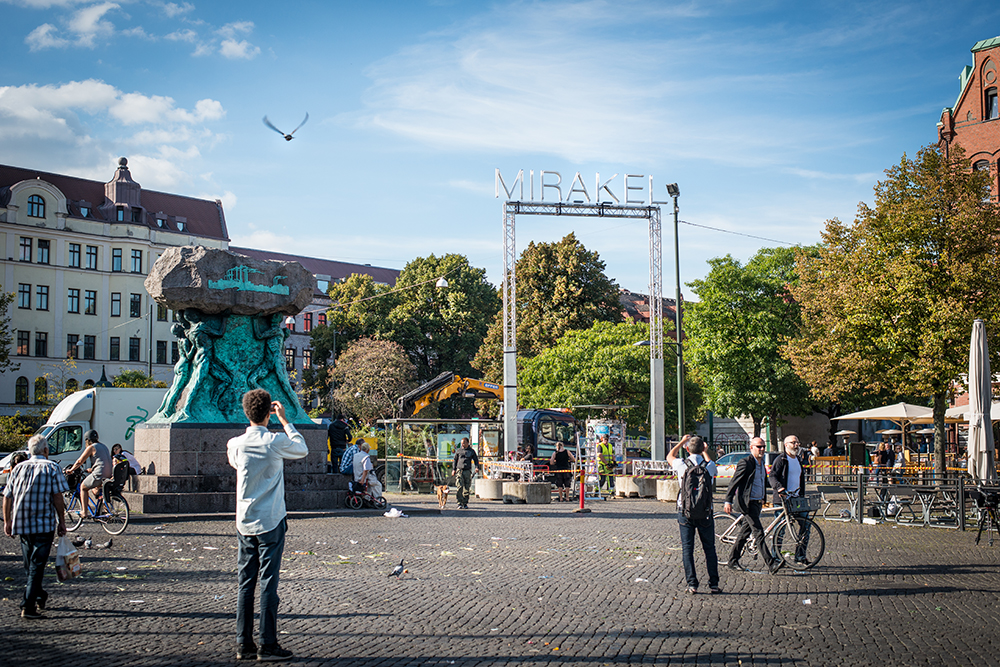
{"x":33,"y":508}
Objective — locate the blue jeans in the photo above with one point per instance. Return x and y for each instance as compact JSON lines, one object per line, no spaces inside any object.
{"x":35,"y":549}
{"x":706,"y":532}
{"x":259,"y":555}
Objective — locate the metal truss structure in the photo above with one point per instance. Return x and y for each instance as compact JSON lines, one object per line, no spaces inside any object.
{"x":596,"y":210}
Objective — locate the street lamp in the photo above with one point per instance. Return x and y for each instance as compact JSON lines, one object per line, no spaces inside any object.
{"x":674,"y":191}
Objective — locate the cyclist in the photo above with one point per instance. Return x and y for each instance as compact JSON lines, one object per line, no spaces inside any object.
{"x":788,"y":478}
{"x":747,"y":488}
{"x":100,"y":468}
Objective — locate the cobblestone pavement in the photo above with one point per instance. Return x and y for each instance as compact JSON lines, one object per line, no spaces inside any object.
{"x":500,"y":584}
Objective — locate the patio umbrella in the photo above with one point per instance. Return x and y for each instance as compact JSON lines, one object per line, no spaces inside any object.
{"x":890,"y":431}
{"x":900,"y":413}
{"x":924,"y":431}
{"x":845,"y":432}
{"x":980,"y":443}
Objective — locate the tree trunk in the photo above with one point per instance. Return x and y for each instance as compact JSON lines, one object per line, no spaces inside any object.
{"x":756,"y":427}
{"x":940,"y":404}
{"x":772,"y":446}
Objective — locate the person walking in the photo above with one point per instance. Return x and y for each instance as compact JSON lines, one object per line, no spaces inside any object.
{"x":788,"y":477}
{"x":689,"y":525}
{"x":747,"y":490}
{"x":560,"y":461}
{"x":465,"y":459}
{"x":33,"y":510}
{"x":258,"y":457}
{"x":339,"y":435}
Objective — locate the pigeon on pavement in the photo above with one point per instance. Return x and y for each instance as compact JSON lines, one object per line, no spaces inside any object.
{"x":398,"y":570}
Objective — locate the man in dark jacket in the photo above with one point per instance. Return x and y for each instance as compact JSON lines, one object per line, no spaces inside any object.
{"x":466,"y":460}
{"x":339,"y":434}
{"x":788,"y":477}
{"x":747,"y":489}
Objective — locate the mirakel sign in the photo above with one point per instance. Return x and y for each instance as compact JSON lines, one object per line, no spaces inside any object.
{"x":634,"y":188}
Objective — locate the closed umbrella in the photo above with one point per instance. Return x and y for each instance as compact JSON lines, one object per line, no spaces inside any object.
{"x":980,"y":463}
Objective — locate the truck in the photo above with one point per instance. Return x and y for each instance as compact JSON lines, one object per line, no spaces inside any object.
{"x":113,"y":412}
{"x":542,"y":429}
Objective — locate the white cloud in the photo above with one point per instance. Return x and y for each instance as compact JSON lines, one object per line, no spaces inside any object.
{"x":44,"y":4}
{"x":242,"y":49}
{"x":139,"y":32}
{"x":42,"y":38}
{"x":186,"y":35}
{"x":173,"y":10}
{"x":86,"y":25}
{"x":228,"y":199}
{"x":232,"y":30}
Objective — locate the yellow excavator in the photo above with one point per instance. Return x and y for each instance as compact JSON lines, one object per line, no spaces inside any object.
{"x":445,"y":386}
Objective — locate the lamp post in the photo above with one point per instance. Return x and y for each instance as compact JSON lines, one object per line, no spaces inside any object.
{"x":675,"y":192}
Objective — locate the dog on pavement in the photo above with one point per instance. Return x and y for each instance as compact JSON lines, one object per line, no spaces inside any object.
{"x":442,"y":494}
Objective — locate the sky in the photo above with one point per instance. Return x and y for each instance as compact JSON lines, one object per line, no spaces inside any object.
{"x":771,"y":116}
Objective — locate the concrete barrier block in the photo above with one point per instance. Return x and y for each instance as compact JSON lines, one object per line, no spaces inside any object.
{"x":667,"y":489}
{"x":531,"y":493}
{"x":635,"y":487}
{"x":489,"y":489}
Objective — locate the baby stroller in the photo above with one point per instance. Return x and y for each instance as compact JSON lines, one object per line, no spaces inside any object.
{"x":358,"y":497}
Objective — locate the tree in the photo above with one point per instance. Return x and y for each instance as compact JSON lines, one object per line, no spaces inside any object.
{"x":6,"y":334}
{"x":370,"y":375}
{"x":888,"y":302}
{"x":599,"y":366}
{"x":735,"y":334}
{"x":560,"y":287}
{"x":136,"y":379}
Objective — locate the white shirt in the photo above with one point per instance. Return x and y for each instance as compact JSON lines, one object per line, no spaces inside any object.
{"x":794,"y":476}
{"x":258,"y":456}
{"x":362,"y":462}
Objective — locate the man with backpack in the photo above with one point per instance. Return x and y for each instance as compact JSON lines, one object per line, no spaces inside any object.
{"x":694,"y":508}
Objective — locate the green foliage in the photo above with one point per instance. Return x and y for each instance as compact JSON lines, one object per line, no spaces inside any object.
{"x":370,"y":375}
{"x":6,"y":334}
{"x":14,"y":432}
{"x":735,"y":334}
{"x":598,"y":366}
{"x":136,"y":379}
{"x":561,"y":287}
{"x":888,"y":301}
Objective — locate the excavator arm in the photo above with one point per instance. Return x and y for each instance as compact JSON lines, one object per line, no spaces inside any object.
{"x":445,"y":386}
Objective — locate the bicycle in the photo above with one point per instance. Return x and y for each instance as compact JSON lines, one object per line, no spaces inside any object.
{"x":798,"y":540}
{"x":986,"y":505}
{"x":109,"y":508}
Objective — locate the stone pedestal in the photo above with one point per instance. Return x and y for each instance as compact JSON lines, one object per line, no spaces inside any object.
{"x":489,"y":489}
{"x":667,"y":489}
{"x":532,"y":493}
{"x":189,"y":471}
{"x":635,"y":487}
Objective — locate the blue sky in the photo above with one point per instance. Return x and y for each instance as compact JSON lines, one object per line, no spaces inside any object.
{"x":771,"y":116}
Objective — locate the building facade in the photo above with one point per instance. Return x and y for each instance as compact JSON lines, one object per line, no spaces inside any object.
{"x":77,"y":255}
{"x":974,"y":121}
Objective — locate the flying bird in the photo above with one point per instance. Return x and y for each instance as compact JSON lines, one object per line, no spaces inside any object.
{"x":288,"y":137}
{"x":398,"y":570}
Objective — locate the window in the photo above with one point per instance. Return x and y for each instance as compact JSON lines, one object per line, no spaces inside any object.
{"x":161,"y":312}
{"x":161,"y":351}
{"x":290,"y":358}
{"x":23,"y":343}
{"x":136,"y":261}
{"x":71,"y":351}
{"x":307,"y":358}
{"x":71,"y":385}
{"x":116,"y":259}
{"x":135,"y":305}
{"x":74,"y":255}
{"x":84,"y":211}
{"x":175,"y":353}
{"x":322,"y":319}
{"x":92,"y":257}
{"x":43,"y":251}
{"x":21,"y":391}
{"x":121,"y":214}
{"x":290,"y":323}
{"x":67,"y":438}
{"x":26,"y":249}
{"x":90,"y":302}
{"x":180,"y":226}
{"x":41,"y":390}
{"x":42,"y":297}
{"x":89,"y":346}
{"x":41,"y":344}
{"x":36,"y":207}
{"x":116,"y":304}
{"x":133,"y":349}
{"x":24,"y":296}
{"x":991,"y":105}
{"x":73,"y":301}
{"x":115,"y":348}
{"x":307,"y":322}
{"x":87,"y":384}
{"x":136,"y":215}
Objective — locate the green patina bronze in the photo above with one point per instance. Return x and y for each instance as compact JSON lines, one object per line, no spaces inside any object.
{"x":222,"y":356}
{"x":238,"y":277}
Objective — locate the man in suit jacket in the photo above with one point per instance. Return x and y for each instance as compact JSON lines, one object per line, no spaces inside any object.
{"x":747,"y":488}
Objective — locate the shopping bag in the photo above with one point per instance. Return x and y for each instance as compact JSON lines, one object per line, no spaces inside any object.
{"x":67,"y":560}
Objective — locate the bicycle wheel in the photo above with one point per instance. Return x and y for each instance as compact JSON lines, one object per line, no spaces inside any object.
{"x":799,"y":542}
{"x":74,"y":517}
{"x":724,"y":531}
{"x":115,"y":516}
{"x":380,"y":503}
{"x":354,"y":501}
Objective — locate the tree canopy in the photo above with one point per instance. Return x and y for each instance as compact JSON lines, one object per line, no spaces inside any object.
{"x":600,"y":365}
{"x":370,"y":375}
{"x":888,"y":301}
{"x":6,"y":335}
{"x":735,"y":334}
{"x":561,"y":287}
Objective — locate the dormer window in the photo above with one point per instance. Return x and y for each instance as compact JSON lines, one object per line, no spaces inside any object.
{"x":84,"y":211}
{"x":136,"y":215}
{"x":36,"y":207}
{"x":992,"y":111}
{"x":160,"y":222}
{"x":121,"y":214}
{"x":180,"y":226}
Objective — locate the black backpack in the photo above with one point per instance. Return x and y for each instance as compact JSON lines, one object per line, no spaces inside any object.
{"x":696,"y":492}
